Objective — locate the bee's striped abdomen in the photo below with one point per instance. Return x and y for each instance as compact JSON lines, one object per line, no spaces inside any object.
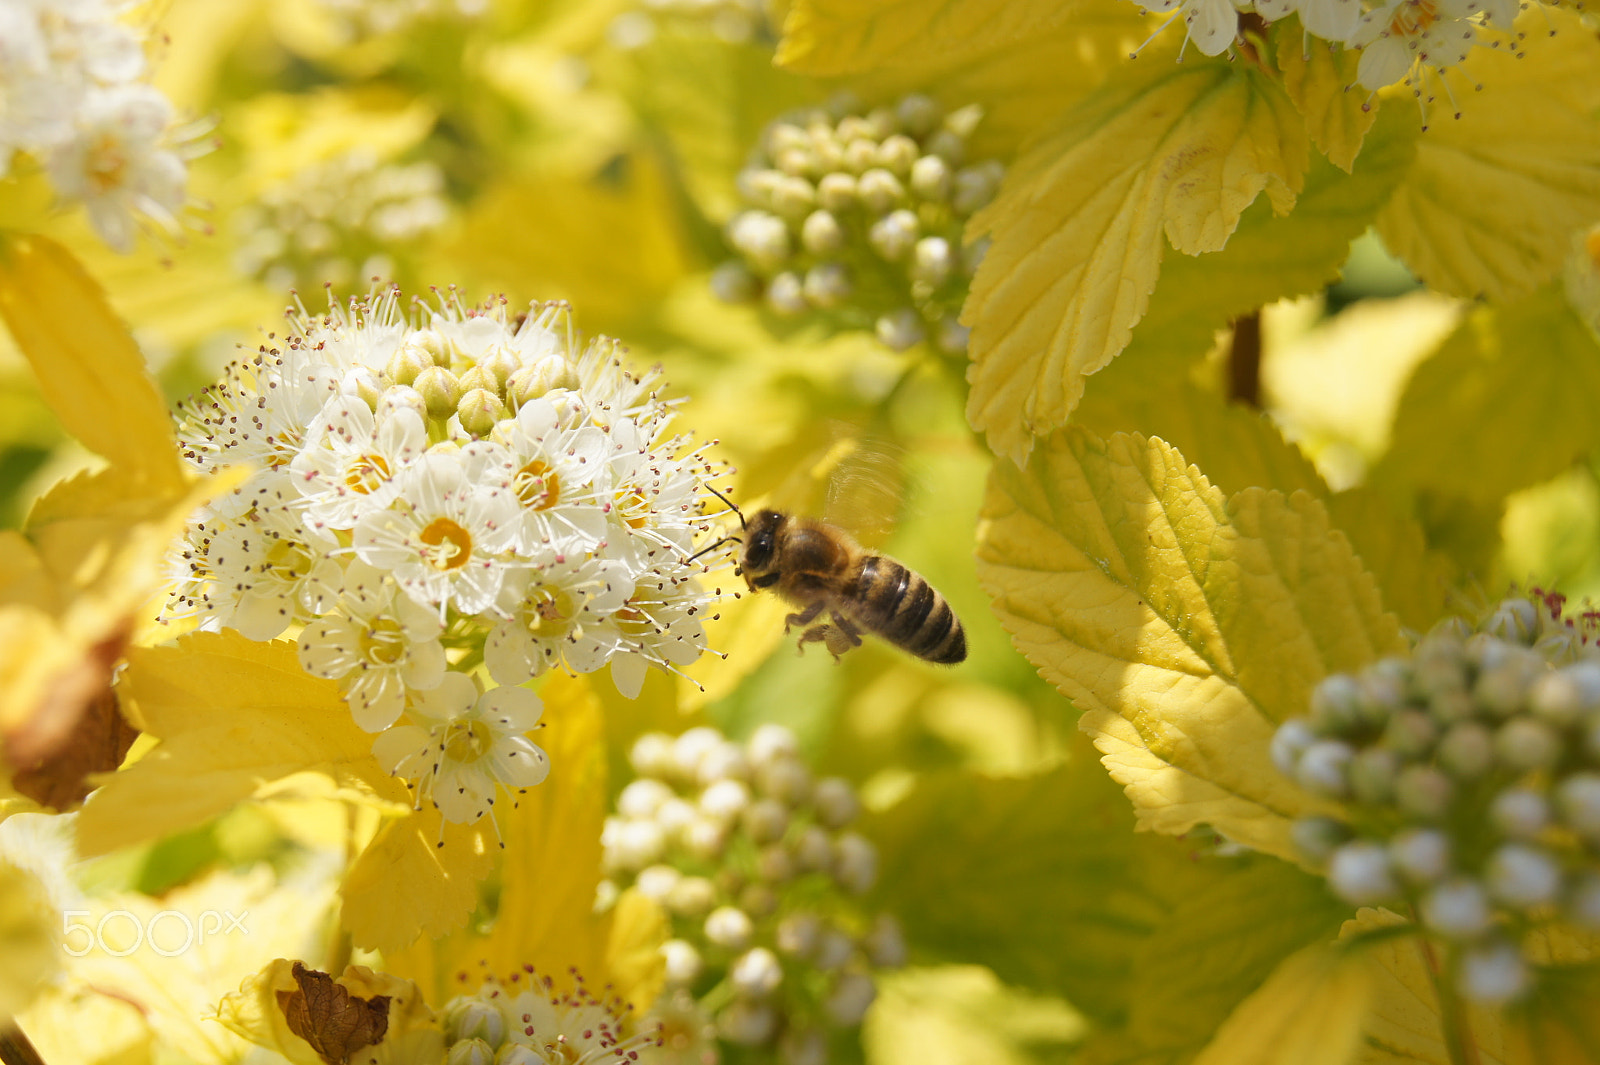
{"x":903,"y":608}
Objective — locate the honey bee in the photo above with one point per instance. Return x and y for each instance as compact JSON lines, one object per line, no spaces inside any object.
{"x":821,"y":569}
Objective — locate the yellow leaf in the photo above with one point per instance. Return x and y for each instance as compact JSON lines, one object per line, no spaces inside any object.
{"x":1077,"y":229}
{"x":1183,"y":625}
{"x":1490,"y":207}
{"x":418,"y":877}
{"x":828,"y":37}
{"x":1309,"y":1012}
{"x":1317,"y":77}
{"x":232,"y":716}
{"x":28,"y":939}
{"x":89,"y":368}
{"x":1402,"y":1024}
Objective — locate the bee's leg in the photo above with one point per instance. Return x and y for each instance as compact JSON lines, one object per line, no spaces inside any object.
{"x":848,"y":629}
{"x":817,"y":634}
{"x":805,"y":617}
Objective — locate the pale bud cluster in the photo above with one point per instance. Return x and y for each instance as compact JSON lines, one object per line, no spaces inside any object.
{"x":1399,"y":39}
{"x":441,"y":500}
{"x":375,"y":18}
{"x":732,"y":21}
{"x":857,"y":218}
{"x":1469,"y":775}
{"x":525,"y":1020}
{"x":75,"y":100}
{"x":339,"y":221}
{"x":754,"y":860}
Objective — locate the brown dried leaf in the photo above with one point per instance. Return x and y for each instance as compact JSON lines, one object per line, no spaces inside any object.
{"x":326,"y":1015}
{"x":68,"y":699}
{"x":97,"y":744}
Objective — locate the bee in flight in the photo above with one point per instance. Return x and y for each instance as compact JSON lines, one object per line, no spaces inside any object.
{"x":820,"y":569}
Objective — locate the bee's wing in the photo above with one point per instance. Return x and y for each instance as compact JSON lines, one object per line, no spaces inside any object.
{"x":866,"y":486}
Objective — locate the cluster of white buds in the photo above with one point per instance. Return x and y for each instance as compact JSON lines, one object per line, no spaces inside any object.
{"x":732,"y":21}
{"x":1400,"y":40}
{"x":858,"y":219}
{"x":524,"y":1020}
{"x":441,"y":496}
{"x":339,"y":221}
{"x":1469,"y":778}
{"x":375,"y":18}
{"x":74,"y":101}
{"x":754,"y":861}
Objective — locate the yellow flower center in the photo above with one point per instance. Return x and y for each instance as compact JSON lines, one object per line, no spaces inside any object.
{"x":634,"y":500}
{"x":538,"y":485}
{"x":448,"y":544}
{"x":366,"y":473}
{"x":287,"y":560}
{"x":550,"y":612}
{"x":1413,"y":18}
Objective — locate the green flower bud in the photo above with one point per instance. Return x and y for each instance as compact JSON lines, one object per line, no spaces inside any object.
{"x":897,"y":154}
{"x":1372,"y":776}
{"x":837,"y":192}
{"x":860,"y":155}
{"x":440,"y":390}
{"x":470,"y":1052}
{"x":404,"y":365}
{"x":540,"y":378}
{"x":1424,"y":792}
{"x":1467,"y":750}
{"x":880,"y":190}
{"x":402,"y":397}
{"x":918,"y":114}
{"x":827,"y":285}
{"x":1411,"y":734}
{"x":1316,"y":838}
{"x":472,"y":1018}
{"x":821,"y":233}
{"x":479,"y":411}
{"x":1335,"y":705}
{"x":786,"y":294}
{"x":1525,"y":744}
{"x":478,"y":377}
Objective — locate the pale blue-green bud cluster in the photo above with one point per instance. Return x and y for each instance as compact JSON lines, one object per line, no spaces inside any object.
{"x":1469,"y":774}
{"x":856,"y":217}
{"x":754,"y":860}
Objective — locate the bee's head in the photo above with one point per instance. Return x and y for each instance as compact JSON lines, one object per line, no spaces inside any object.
{"x":759,"y":560}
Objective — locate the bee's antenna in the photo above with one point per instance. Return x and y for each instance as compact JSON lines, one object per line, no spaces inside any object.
{"x":725,"y":539}
{"x":712,"y":489}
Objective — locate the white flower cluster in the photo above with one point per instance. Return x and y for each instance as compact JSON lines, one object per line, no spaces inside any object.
{"x":713,"y":830}
{"x":525,"y":1021}
{"x":1470,"y":777}
{"x":439,"y":497}
{"x":72,"y":99}
{"x":339,"y":220}
{"x":858,"y":218}
{"x":1397,"y":38}
{"x":376,"y":18}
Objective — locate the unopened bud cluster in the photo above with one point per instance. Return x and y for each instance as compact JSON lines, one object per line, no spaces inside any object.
{"x":441,"y":500}
{"x":1469,"y":772}
{"x":857,"y":218}
{"x":732,"y":21}
{"x":526,"y":1020}
{"x":339,"y":221}
{"x":755,"y":862}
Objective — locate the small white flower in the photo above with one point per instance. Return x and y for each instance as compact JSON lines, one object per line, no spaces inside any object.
{"x":117,"y":164}
{"x":1211,"y":24}
{"x":442,"y":537}
{"x":556,"y":615}
{"x":379,"y":647}
{"x":464,"y":746}
{"x":1400,"y":35}
{"x":558,"y":477}
{"x":348,"y":465}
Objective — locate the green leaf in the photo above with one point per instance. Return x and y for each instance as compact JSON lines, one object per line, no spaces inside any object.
{"x":829,"y":37}
{"x":961,"y":1014}
{"x":1506,"y":402}
{"x":976,"y":870}
{"x":1077,"y":229}
{"x":1490,"y":207}
{"x":1416,"y":581}
{"x":1184,"y":625}
{"x":1558,"y":1024}
{"x":1213,"y":951}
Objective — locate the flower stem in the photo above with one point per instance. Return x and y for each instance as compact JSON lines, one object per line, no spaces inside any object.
{"x":15,"y":1047}
{"x":1457,"y":1028}
{"x":1244,"y":361}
